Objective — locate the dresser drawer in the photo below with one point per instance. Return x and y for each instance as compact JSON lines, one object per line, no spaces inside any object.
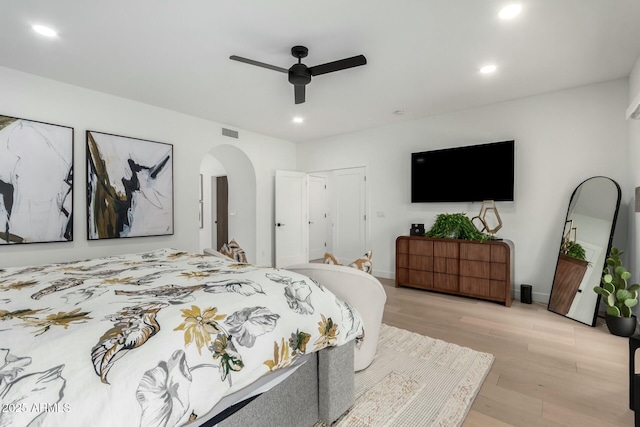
{"x":478,"y":269}
{"x":421,"y":247}
{"x":421,"y":279}
{"x":475,"y":251}
{"x":419,"y":262}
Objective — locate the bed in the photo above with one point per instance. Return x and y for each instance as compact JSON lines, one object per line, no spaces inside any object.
{"x":162,"y":338}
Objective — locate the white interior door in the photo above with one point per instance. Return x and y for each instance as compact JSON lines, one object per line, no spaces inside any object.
{"x":317,"y":216}
{"x":291,"y":219}
{"x":350,"y":214}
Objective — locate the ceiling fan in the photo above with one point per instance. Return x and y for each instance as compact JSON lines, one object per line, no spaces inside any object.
{"x":300,"y":75}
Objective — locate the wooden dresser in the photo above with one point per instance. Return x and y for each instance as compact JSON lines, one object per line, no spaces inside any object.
{"x":459,"y":267}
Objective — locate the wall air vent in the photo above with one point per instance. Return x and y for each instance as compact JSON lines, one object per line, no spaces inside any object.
{"x":230,"y":133}
{"x":633,"y":112}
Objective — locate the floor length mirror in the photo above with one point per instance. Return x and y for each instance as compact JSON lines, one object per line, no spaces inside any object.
{"x":585,"y":243}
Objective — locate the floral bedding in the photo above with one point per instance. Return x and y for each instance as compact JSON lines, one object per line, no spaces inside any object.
{"x":152,"y":339}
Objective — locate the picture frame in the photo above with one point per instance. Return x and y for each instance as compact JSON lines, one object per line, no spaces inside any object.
{"x":36,"y":181}
{"x":129,"y":187}
{"x":201,"y":214}
{"x":201,"y":193}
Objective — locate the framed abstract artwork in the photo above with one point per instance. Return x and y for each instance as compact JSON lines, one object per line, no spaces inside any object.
{"x":129,"y":187}
{"x":36,"y":181}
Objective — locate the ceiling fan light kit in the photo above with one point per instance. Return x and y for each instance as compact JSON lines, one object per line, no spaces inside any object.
{"x":300,"y":75}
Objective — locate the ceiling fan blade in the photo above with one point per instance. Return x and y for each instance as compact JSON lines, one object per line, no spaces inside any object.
{"x":342,"y":64}
{"x":259,"y":64}
{"x":299,"y":93}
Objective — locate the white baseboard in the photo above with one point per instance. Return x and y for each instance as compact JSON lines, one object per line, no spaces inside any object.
{"x":384,"y":274}
{"x":535,"y":296}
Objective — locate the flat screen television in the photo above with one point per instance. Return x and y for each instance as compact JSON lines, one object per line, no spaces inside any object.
{"x":464,"y":174}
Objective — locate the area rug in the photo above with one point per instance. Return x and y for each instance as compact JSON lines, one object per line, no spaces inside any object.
{"x":415,"y":380}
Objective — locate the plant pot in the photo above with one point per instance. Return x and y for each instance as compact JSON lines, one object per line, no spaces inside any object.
{"x":621,"y":326}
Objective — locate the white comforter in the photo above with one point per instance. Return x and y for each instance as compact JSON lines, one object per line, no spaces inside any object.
{"x":151,"y":339}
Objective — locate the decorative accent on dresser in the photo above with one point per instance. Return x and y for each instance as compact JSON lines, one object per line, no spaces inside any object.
{"x":455,"y":226}
{"x":417,"y":230}
{"x":488,"y":217}
{"x":481,"y":270}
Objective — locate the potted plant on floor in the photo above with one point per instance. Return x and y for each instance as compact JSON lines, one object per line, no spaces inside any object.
{"x":618,"y":296}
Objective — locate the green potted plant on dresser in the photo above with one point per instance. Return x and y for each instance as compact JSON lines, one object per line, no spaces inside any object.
{"x":618,"y":296}
{"x":455,"y":226}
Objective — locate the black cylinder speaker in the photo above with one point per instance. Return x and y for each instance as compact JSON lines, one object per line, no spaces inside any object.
{"x":525,"y":294}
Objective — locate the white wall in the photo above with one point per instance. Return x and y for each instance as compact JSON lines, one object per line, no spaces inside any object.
{"x":31,"y":97}
{"x":634,"y":177}
{"x":561,"y":138}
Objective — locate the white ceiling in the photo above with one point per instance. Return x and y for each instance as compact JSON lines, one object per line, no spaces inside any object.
{"x":423,"y":55}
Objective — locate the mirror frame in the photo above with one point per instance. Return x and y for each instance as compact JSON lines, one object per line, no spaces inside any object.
{"x":609,"y":243}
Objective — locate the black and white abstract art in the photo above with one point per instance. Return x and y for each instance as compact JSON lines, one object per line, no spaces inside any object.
{"x":129,"y":187}
{"x":36,"y":182}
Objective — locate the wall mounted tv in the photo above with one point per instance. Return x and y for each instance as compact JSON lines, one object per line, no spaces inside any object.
{"x":464,"y":174}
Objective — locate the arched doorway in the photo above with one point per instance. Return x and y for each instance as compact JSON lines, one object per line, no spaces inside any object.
{"x":241,"y":181}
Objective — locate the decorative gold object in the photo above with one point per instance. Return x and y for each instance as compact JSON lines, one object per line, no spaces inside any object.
{"x":488,"y":207}
{"x":566,"y":239}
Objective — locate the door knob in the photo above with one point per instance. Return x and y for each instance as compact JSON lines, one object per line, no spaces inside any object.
{"x":279,"y":224}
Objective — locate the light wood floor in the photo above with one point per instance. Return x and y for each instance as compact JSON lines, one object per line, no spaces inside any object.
{"x":548,"y":370}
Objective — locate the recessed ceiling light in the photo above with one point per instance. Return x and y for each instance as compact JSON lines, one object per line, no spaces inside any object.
{"x":488,"y":69}
{"x":45,"y":31}
{"x":298,"y":120}
{"x":510,"y":11}
{"x":398,"y":112}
